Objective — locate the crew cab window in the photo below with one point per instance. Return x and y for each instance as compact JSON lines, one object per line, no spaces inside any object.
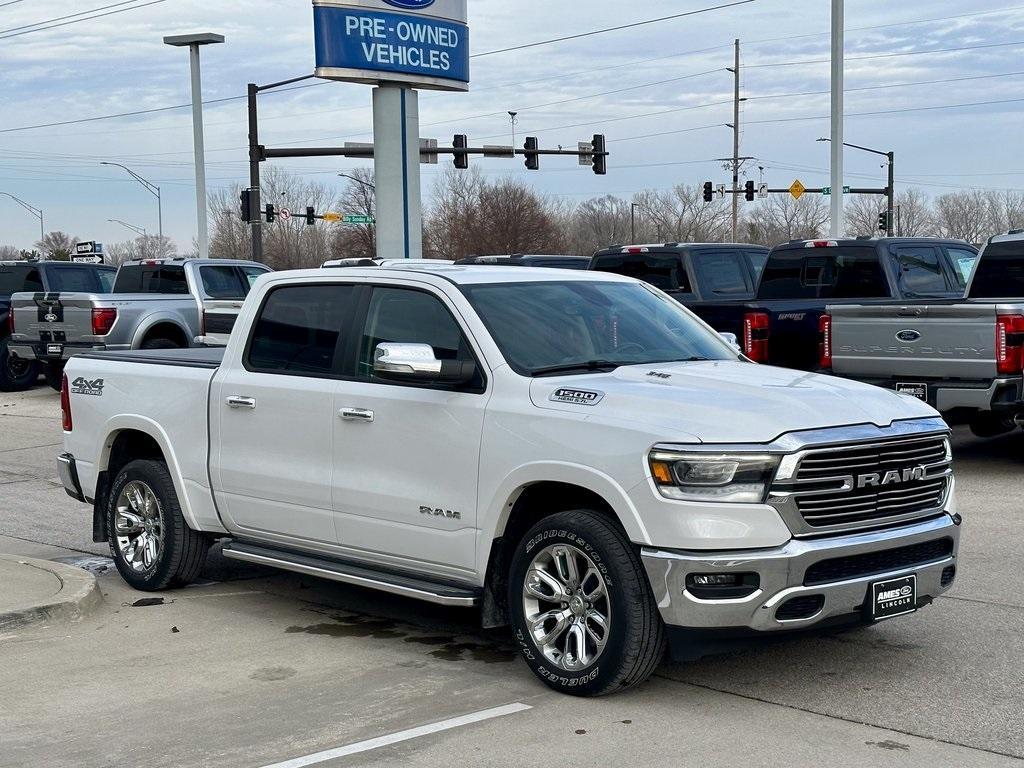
{"x":964,"y":261}
{"x":921,"y":271}
{"x":155,"y":278}
{"x":406,"y":316}
{"x":222,"y":282}
{"x":823,"y":273}
{"x":250,"y":275}
{"x":722,"y":272}
{"x":1000,"y":272}
{"x":18,"y":279}
{"x":662,"y":270}
{"x":298,"y":330}
{"x":81,"y":279}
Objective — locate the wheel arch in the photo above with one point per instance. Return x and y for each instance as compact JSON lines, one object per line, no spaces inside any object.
{"x":162,"y":326}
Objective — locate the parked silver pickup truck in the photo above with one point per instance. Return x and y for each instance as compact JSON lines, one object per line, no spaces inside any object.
{"x":963,"y":357}
{"x":155,"y":304}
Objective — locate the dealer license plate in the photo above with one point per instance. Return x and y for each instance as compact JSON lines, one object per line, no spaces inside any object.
{"x":894,"y":597}
{"x":54,"y":349}
{"x":920,"y":391}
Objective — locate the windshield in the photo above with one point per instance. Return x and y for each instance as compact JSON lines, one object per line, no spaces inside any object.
{"x":590,"y":326}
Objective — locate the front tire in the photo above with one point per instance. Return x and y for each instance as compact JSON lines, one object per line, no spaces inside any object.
{"x":16,"y":373}
{"x":152,"y":545}
{"x":582,"y":611}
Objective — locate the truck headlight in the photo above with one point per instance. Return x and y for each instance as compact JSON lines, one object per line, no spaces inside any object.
{"x":742,"y":478}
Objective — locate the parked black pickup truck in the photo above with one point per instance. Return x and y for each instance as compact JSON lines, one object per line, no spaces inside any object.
{"x":17,"y":374}
{"x":782,"y":321}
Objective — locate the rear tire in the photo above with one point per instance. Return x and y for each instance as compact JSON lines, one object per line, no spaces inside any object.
{"x":160,"y":344}
{"x":16,"y":373}
{"x":54,"y":375}
{"x":152,"y":545}
{"x":590,"y":628}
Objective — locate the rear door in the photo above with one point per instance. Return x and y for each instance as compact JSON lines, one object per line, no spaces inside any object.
{"x":272,"y":418}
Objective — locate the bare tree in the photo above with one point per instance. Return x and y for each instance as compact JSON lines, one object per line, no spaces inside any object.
{"x":598,"y":223}
{"x":56,"y":245}
{"x":914,"y":214}
{"x":687,"y":218}
{"x":359,"y":197}
{"x":142,"y":247}
{"x":861,"y":214}
{"x":10,"y":253}
{"x":963,"y":215}
{"x":781,"y":218}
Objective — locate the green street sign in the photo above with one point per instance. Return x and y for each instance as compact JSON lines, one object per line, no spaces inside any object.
{"x":828,"y":190}
{"x":352,"y":218}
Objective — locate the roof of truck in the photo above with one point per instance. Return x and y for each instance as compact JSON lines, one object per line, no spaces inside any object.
{"x":468,"y":274}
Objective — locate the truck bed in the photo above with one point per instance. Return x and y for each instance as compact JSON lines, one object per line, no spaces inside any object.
{"x":183,"y":358}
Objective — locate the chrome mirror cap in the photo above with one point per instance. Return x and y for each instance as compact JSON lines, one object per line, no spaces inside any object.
{"x":406,"y":360}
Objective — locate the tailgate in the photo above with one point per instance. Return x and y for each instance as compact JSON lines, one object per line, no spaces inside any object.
{"x":64,"y":317}
{"x":949,"y":341}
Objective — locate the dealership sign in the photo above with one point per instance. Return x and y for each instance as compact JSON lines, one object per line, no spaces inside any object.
{"x":416,"y":43}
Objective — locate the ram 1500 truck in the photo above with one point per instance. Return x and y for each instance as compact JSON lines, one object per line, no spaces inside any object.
{"x":154,"y":304}
{"x":574,"y":452}
{"x":780,"y":322}
{"x":707,"y":278}
{"x":18,"y":373}
{"x":965,"y":358}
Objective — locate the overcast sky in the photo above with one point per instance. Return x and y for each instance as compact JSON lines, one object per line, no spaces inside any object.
{"x":660,"y":133}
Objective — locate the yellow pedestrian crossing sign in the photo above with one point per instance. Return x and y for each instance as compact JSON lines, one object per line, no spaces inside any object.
{"x":797,"y":189}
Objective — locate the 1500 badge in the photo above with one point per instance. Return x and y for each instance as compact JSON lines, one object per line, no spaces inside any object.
{"x":82,"y":386}
{"x":577,"y":396}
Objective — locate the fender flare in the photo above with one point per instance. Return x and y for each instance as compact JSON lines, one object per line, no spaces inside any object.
{"x":161,"y":318}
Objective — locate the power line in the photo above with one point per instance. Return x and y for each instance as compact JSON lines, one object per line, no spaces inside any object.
{"x":887,"y":55}
{"x":611,"y":29}
{"x":69,"y":16}
{"x":11,"y":2}
{"x":87,"y":18}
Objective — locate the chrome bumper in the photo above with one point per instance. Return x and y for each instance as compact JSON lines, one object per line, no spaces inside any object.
{"x":781,"y":575}
{"x":68,"y":473}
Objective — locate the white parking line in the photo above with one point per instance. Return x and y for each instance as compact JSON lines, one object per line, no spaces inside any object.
{"x":394,"y":738}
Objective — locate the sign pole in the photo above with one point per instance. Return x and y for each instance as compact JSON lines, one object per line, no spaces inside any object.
{"x":396,"y":168}
{"x":837,"y":118}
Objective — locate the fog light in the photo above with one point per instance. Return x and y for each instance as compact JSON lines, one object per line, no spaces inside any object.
{"x":716,"y":579}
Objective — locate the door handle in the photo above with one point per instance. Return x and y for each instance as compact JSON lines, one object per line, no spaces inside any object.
{"x":356,"y":414}
{"x":235,"y":401}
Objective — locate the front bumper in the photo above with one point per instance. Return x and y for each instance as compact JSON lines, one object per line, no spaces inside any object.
{"x":781,"y":574}
{"x":68,"y":473}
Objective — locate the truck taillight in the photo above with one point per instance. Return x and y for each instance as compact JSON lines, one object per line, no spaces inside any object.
{"x":1009,"y":344}
{"x":825,"y":342}
{"x":65,"y":404}
{"x":103,"y":321}
{"x":755,"y":336}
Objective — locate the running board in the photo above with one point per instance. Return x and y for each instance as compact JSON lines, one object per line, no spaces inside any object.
{"x":351,"y":573}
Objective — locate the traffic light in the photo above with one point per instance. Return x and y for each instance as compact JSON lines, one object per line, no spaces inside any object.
{"x":271,"y":212}
{"x":310,"y":215}
{"x":532,"y":158}
{"x":600,"y":155}
{"x":748,"y":191}
{"x":461,"y":159}
{"x":883,"y":221}
{"x":709,"y":191}
{"x":247,"y":200}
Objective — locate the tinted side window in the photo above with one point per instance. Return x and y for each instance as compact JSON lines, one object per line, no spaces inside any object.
{"x":299,"y":329}
{"x":1000,"y":272}
{"x":80,"y":279}
{"x":963,"y":263}
{"x":722,"y":272}
{"x":404,"y":316}
{"x":250,"y":275}
{"x":221,"y":282}
{"x":824,"y":273}
{"x":160,"y":278}
{"x":17,"y":279}
{"x":662,"y":270}
{"x":921,"y":269}
{"x":757,"y":261}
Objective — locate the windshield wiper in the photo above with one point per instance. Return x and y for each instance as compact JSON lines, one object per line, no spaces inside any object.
{"x":587,"y":366}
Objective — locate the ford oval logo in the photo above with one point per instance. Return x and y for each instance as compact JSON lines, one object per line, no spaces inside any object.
{"x":412,"y":5}
{"x":50,"y":318}
{"x":909,"y":335}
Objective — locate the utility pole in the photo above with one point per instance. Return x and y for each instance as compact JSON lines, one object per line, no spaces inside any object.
{"x":736,"y":142}
{"x":838,"y":17}
{"x":891,"y":156}
{"x":632,"y":222}
{"x":255,"y":222}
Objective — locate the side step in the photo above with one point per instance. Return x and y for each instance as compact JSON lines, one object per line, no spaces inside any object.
{"x":358,"y":574}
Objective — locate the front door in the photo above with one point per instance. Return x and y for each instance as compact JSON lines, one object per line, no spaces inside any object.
{"x":406,"y":456}
{"x":272,"y":418}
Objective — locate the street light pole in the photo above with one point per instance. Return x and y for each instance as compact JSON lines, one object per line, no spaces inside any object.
{"x":357,"y":180}
{"x":736,"y":143}
{"x":37,"y":212}
{"x":153,"y":190}
{"x":193,"y":42}
{"x":837,"y":117}
{"x":890,"y":190}
{"x":132,"y":227}
{"x":632,"y":223}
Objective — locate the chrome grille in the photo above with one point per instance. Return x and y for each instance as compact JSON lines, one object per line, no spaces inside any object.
{"x":864,"y":485}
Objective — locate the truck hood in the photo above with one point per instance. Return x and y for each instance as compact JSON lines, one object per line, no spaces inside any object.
{"x":723,"y":401}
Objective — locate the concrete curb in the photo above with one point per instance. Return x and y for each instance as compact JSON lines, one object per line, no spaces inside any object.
{"x":79,"y":594}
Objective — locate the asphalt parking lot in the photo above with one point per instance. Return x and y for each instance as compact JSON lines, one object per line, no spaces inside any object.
{"x":257,"y":668}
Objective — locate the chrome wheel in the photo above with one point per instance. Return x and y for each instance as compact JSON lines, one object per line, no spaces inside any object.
{"x":566,"y":605}
{"x":139,"y":526}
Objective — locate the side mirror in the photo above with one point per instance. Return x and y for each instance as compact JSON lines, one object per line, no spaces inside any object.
{"x":416,"y":363}
{"x":732,"y":341}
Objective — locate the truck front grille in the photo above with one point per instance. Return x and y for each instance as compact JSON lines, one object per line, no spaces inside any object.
{"x":866,"y":485}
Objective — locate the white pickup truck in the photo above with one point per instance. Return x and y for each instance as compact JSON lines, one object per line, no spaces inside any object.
{"x":574,"y":452}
